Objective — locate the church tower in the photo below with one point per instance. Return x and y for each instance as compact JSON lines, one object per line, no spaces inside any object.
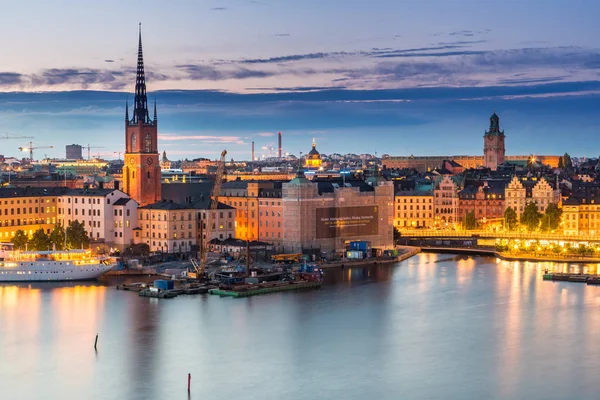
{"x":141,"y":172}
{"x":493,"y":144}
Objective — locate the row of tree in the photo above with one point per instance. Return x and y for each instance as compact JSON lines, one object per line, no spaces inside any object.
{"x":531,"y":218}
{"x":74,"y":237}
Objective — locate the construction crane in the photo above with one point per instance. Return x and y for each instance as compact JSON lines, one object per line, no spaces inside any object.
{"x":214,"y":203}
{"x":30,"y":149}
{"x":88,"y":147}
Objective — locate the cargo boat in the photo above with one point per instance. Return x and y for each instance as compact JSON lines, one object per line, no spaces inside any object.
{"x":71,"y":265}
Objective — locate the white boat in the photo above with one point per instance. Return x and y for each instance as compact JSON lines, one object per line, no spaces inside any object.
{"x":52,"y":266}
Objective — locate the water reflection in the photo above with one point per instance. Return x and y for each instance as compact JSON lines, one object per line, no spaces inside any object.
{"x":484,"y":327}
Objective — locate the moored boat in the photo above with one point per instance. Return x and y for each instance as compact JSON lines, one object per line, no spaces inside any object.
{"x":66,"y":265}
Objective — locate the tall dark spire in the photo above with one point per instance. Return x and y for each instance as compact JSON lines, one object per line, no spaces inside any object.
{"x":155,"y":114}
{"x":140,"y":106}
{"x":126,"y":110}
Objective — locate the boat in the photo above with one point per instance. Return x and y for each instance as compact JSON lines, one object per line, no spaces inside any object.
{"x":310,"y":272}
{"x":68,"y":265}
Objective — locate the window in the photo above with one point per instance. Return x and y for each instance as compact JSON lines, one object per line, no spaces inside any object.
{"x":133,"y":141}
{"x":148,"y":144}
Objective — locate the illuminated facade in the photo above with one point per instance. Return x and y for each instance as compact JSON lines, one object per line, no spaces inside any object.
{"x":446,"y":202}
{"x":414,"y":208}
{"x":28,"y":209}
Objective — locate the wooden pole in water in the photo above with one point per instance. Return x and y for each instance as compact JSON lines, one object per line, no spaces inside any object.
{"x":96,"y":342}
{"x":189,"y":381}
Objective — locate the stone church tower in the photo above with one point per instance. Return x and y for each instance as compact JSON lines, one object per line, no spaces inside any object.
{"x":141,"y":172}
{"x":493,"y":144}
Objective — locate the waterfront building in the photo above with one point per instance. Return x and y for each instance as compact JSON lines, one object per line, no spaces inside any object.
{"x":325,"y":216}
{"x":219,"y":224}
{"x":28,"y":209}
{"x":313,"y":158}
{"x":260,"y":176}
{"x":124,"y":221}
{"x":167,"y":227}
{"x":485,"y":202}
{"x":581,"y":216}
{"x":446,"y":202}
{"x":413,"y":207}
{"x":141,"y":171}
{"x":95,"y":209}
{"x":520,"y":192}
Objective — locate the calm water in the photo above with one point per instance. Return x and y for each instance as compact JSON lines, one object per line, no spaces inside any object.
{"x":432,"y":327}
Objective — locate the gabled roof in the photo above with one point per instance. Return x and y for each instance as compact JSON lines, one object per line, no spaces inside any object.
{"x":122,"y":201}
{"x":166,"y":205}
{"x":90,"y":192}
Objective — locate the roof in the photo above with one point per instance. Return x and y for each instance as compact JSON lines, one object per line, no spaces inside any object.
{"x":11,"y":192}
{"x":330,"y":186}
{"x":90,"y":192}
{"x":204,"y":203}
{"x":313,"y":152}
{"x":166,"y":205}
{"x":122,"y":201}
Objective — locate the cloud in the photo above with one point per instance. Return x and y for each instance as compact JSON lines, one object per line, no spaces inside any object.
{"x":208,"y":72}
{"x":109,"y":61}
{"x":295,"y":57}
{"x":84,"y":77}
{"x":265,"y":134}
{"x":218,"y":9}
{"x":203,"y":138}
{"x":282,"y":34}
{"x":296,"y":88}
{"x":10,"y":78}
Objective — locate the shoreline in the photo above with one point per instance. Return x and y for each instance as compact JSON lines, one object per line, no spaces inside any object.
{"x":508,"y":257}
{"x":409,"y":252}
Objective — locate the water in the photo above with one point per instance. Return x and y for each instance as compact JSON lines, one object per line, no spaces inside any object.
{"x":432,"y":327}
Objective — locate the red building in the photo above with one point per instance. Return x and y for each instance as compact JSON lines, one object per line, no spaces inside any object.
{"x":487,"y":202}
{"x":141,"y":172}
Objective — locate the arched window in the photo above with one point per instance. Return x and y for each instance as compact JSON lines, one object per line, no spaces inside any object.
{"x":133,"y":141}
{"x":148,"y":143}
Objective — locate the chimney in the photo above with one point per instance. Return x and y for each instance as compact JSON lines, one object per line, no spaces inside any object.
{"x":279,"y":144}
{"x":116,"y":184}
{"x":252,"y":151}
{"x":101,"y":185}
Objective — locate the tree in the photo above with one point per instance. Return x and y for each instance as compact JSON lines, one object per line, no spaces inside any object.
{"x":567,"y":162}
{"x":20,"y":239}
{"x":510,"y":218}
{"x":469,"y":221}
{"x":561,"y":163}
{"x":551,"y":218}
{"x":77,"y":237}
{"x":57,"y":237}
{"x":531,"y":216}
{"x":39,"y":240}
{"x":396,"y":235}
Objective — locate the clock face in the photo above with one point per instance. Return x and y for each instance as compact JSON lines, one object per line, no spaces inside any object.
{"x":131,"y":161}
{"x":149,"y":160}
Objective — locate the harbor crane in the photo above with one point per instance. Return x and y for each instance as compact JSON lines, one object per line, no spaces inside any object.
{"x":31,"y":148}
{"x":88,"y":147}
{"x":214,"y":203}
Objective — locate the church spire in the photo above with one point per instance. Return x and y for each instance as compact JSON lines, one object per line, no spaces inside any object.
{"x":140,"y":106}
{"x":126,"y":110}
{"x":155,"y":114}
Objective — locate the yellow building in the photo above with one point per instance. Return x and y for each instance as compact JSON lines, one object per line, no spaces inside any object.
{"x":414,"y":208}
{"x":313,"y":158}
{"x":28,"y":209}
{"x":581,"y":217}
{"x":167,"y":227}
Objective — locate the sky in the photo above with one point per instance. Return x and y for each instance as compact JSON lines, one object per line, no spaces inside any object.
{"x":391,"y":77}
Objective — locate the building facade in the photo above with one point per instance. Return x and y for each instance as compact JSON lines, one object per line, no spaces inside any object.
{"x":94,"y":208}
{"x":446,"y":202}
{"x":581,"y":216}
{"x":313,"y":158}
{"x":141,"y":171}
{"x":414,"y":208}
{"x":167,"y":227}
{"x":326,"y":221}
{"x":544,"y":194}
{"x":485,"y":202}
{"x":28,"y":209}
{"x":516,"y":195}
{"x":124,"y":221}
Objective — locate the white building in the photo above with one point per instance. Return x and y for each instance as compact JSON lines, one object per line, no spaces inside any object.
{"x":94,"y":208}
{"x":125,"y":220}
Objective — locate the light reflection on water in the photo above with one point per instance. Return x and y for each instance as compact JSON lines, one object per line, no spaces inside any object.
{"x":433,"y":327}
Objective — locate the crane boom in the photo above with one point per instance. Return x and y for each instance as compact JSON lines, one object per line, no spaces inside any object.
{"x":214,"y":203}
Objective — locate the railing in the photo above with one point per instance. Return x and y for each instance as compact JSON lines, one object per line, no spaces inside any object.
{"x":446,"y":233}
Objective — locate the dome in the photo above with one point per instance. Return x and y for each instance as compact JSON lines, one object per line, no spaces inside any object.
{"x":313,"y":153}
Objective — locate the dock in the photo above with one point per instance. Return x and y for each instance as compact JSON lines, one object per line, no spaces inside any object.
{"x":581,"y":278}
{"x":254,"y":290}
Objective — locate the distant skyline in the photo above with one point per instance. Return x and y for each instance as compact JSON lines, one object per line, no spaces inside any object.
{"x":396,"y":77}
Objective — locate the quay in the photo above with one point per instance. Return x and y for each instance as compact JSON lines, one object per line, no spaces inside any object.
{"x":581,"y":278}
{"x":407,"y":252}
{"x":475,"y":251}
{"x":254,"y":290}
